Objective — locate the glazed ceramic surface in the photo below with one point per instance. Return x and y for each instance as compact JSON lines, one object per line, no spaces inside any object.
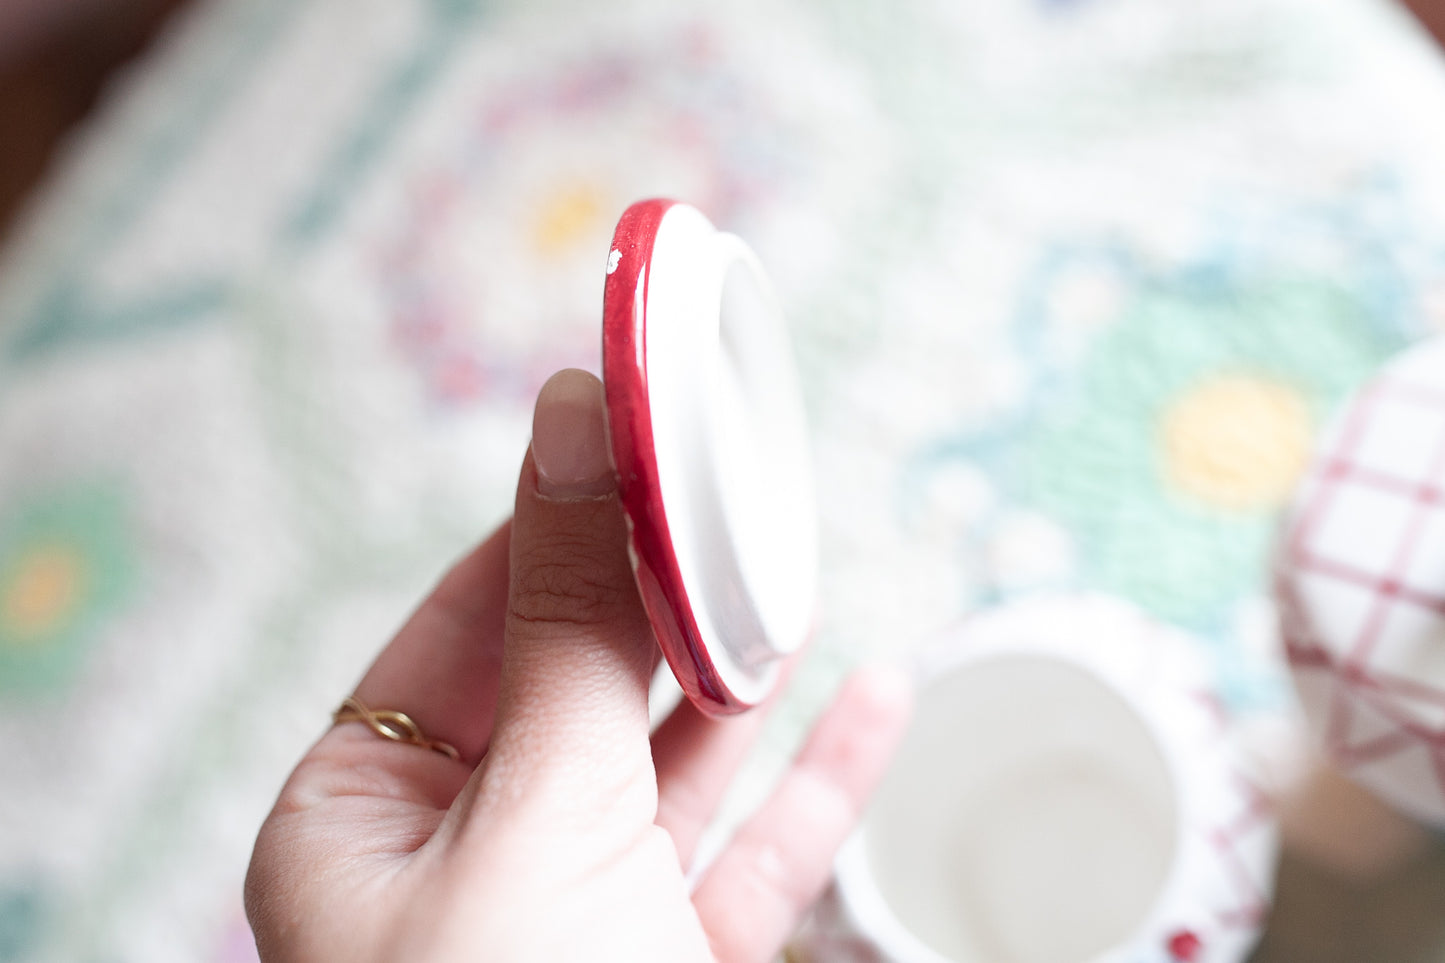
{"x":1068,"y":792}
{"x":708,"y":437}
{"x":1362,"y":585}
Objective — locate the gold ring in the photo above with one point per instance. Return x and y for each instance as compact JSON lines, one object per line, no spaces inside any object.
{"x":389,"y":724}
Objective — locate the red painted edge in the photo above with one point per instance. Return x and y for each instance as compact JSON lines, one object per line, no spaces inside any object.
{"x":629,"y":417}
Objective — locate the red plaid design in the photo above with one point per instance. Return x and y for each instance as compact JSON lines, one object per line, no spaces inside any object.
{"x":1362,"y":586}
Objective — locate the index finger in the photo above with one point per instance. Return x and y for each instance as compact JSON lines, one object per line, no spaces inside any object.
{"x":442,"y":669}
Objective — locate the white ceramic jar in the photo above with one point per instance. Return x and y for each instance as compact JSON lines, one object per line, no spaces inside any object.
{"x":1068,"y":793}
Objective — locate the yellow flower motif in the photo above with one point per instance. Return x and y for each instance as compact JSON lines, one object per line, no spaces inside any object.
{"x":42,"y":590}
{"x":66,"y":565}
{"x":571,"y":214}
{"x":1236,"y":441}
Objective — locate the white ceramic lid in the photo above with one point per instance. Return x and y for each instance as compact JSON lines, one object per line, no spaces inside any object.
{"x":708,"y":436}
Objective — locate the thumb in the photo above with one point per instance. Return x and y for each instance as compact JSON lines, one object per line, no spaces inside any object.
{"x":572,"y":718}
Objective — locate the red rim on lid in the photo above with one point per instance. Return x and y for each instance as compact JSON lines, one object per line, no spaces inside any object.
{"x":708,"y":436}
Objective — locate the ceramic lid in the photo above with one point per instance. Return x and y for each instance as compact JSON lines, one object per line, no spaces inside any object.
{"x":707,"y":432}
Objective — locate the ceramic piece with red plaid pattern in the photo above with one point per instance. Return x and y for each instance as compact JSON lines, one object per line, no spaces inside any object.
{"x":1361,"y":585}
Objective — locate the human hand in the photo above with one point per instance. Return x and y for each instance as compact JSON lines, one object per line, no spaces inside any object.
{"x":564,"y":831}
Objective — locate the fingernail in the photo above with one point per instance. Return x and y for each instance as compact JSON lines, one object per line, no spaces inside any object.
{"x":569,"y":438}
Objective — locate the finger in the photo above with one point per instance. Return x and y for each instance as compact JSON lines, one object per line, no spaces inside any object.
{"x":696,"y":757}
{"x":754,"y":895}
{"x":442,"y":670}
{"x":444,"y":666}
{"x":572,"y":721}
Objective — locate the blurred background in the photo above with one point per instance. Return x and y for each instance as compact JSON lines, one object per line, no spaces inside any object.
{"x":280,"y":280}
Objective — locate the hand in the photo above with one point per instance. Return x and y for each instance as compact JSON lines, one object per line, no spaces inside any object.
{"x":564,"y":832}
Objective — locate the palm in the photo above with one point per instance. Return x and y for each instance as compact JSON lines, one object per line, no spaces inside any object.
{"x":611,"y":887}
